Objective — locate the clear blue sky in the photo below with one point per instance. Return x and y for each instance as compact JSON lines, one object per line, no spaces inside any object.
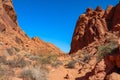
{"x":54,"y":20}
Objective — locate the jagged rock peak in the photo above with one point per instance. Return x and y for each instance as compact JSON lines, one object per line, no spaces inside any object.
{"x":93,"y":25}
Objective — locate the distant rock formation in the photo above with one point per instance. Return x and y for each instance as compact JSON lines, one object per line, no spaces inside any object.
{"x":93,"y":25}
{"x":12,"y":36}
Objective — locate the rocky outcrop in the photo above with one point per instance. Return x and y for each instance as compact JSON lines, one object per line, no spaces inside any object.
{"x":93,"y":25}
{"x":113,"y":76}
{"x":8,"y":7}
{"x":103,"y":65}
{"x":96,"y":32}
{"x":12,"y":36}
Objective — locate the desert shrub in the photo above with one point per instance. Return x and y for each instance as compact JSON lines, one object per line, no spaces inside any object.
{"x":71,"y":64}
{"x":47,"y":59}
{"x":34,"y":57}
{"x":3,"y":59}
{"x":86,"y":58}
{"x":5,"y":78}
{"x":27,"y":54}
{"x":19,"y":62}
{"x":57,"y":63}
{"x":83,"y":57}
{"x":5,"y":72}
{"x":80,"y":61}
{"x":34,"y":73}
{"x":108,"y":49}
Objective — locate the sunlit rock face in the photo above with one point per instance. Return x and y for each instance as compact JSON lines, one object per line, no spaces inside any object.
{"x":93,"y":25}
{"x":12,"y":36}
{"x":94,"y":29}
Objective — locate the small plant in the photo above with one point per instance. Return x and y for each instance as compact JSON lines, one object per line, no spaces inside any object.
{"x":57,"y":63}
{"x":17,"y":62}
{"x":34,"y":73}
{"x":47,"y":59}
{"x":5,"y":72}
{"x":86,"y":58}
{"x":34,"y":57}
{"x":103,"y":51}
{"x":106,"y":50}
{"x":71,"y":64}
{"x":3,"y":59}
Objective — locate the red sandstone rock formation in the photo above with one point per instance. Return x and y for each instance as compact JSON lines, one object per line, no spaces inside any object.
{"x":107,"y":69}
{"x":95,"y":28}
{"x":93,"y":25}
{"x":12,"y":36}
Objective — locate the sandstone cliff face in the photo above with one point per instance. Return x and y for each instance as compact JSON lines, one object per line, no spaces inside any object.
{"x":95,"y":32}
{"x":93,"y":25}
{"x":12,"y":36}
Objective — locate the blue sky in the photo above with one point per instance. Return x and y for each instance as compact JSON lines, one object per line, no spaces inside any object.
{"x":54,"y":20}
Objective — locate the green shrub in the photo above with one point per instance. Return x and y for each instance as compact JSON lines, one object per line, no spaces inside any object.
{"x":106,"y":50}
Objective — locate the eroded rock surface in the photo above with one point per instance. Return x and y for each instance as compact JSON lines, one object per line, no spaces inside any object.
{"x":12,"y":36}
{"x":93,"y":25}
